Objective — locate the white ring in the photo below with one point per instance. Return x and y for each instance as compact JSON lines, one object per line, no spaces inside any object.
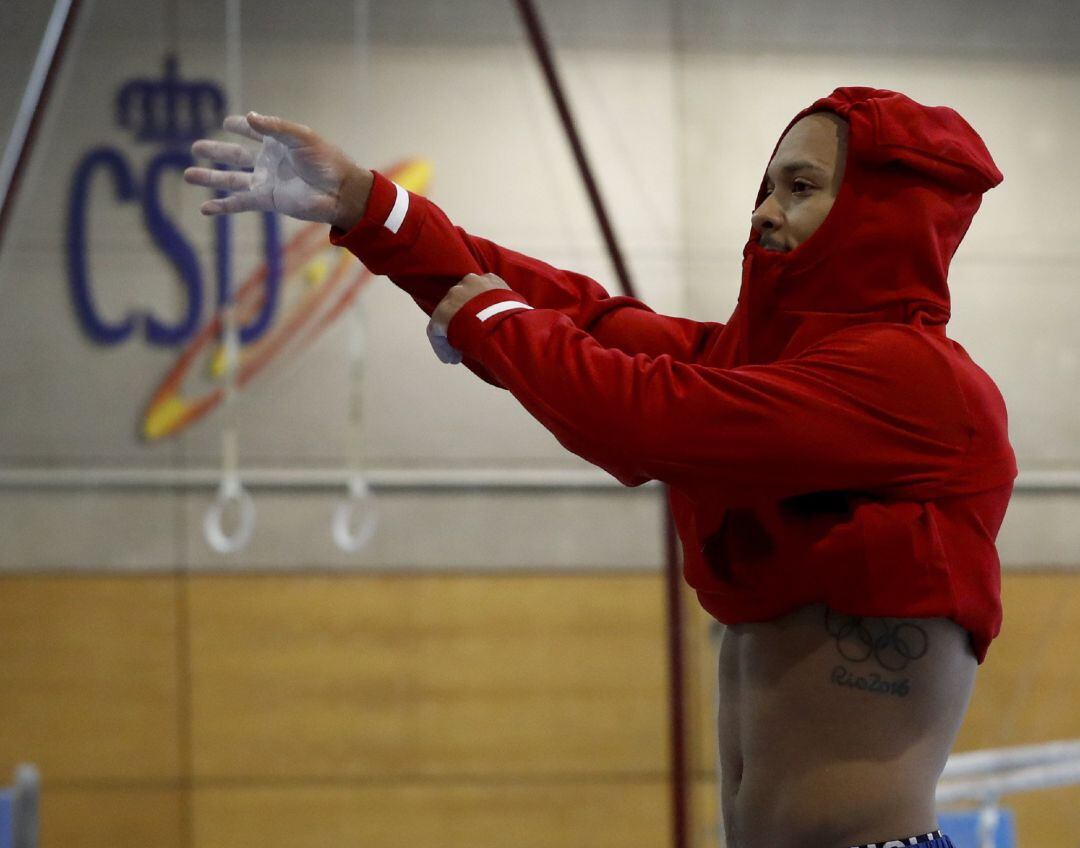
{"x":229,"y":491}
{"x":360,"y":502}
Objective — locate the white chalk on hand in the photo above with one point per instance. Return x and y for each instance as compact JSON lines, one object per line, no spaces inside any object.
{"x":437,"y":336}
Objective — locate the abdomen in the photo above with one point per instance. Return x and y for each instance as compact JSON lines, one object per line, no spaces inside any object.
{"x":837,"y":727}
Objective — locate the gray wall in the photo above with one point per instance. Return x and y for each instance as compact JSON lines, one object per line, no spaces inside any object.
{"x":680,"y":105}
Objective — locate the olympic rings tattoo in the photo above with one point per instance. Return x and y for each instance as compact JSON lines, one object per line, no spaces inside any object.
{"x":893,"y":646}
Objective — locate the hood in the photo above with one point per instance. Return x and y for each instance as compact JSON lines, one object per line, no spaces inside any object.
{"x":913,"y":180}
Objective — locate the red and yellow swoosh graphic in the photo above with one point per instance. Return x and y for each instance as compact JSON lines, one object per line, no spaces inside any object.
{"x":318,"y":283}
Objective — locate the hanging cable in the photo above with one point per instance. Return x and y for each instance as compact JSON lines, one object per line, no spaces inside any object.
{"x":231,"y":493}
{"x":356,"y":516}
{"x":542,"y":48}
{"x":679,"y":758}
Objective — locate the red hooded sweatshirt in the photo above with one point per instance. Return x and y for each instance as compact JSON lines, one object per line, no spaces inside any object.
{"x":828,"y":443}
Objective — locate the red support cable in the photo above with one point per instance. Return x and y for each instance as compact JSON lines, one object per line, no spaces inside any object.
{"x":673,"y":577}
{"x":547,"y":64}
{"x":680,"y":797}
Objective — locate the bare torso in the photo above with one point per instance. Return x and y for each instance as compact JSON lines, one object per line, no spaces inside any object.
{"x":834,"y":730}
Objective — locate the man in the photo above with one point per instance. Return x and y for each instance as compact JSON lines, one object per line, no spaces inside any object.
{"x":837,"y":467}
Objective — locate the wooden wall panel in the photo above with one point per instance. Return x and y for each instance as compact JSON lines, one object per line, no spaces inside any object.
{"x":112,"y":818}
{"x":701,"y":687}
{"x":89,"y":670}
{"x":1028,"y":691}
{"x":1049,"y":818}
{"x":345,"y":676}
{"x":442,"y":709}
{"x":616,"y":814}
{"x":704,"y":814}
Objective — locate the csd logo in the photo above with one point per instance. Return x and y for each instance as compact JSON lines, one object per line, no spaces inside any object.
{"x":173,"y":113}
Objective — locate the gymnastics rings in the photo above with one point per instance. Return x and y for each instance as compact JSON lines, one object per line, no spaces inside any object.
{"x":355,"y":517}
{"x":230,"y":494}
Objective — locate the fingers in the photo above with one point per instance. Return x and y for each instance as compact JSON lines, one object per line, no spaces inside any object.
{"x":288,"y":133}
{"x":239,"y":124}
{"x":230,"y":180}
{"x":244,"y":202}
{"x":225,"y":152}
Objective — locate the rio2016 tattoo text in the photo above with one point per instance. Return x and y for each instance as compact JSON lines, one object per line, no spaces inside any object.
{"x":891,"y":645}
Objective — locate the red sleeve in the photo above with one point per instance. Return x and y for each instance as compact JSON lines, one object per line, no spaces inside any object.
{"x":409,"y":239}
{"x":873,"y":408}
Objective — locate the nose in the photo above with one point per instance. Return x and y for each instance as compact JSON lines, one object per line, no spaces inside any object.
{"x":768,"y":216}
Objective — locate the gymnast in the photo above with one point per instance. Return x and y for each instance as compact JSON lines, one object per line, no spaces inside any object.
{"x":837,"y":467}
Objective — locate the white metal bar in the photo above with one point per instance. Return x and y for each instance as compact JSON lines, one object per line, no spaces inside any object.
{"x":282,"y":478}
{"x":285,"y":478}
{"x":1064,"y":480}
{"x":1000,"y":759}
{"x":1019,"y":780}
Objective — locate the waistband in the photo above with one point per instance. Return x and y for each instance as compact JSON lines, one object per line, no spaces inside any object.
{"x":934,"y":839}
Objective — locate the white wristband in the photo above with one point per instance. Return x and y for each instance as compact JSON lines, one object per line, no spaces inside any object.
{"x":501,"y":306}
{"x":396,"y":217}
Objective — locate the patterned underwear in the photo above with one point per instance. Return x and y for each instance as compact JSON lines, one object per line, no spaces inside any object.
{"x":927,"y":840}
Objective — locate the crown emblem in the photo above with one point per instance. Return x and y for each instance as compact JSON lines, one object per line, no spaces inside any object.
{"x":170,"y":109}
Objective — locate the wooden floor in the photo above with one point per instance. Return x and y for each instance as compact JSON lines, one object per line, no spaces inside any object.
{"x":444,"y":710}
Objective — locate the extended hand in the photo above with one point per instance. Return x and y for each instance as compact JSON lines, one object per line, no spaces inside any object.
{"x":470,"y":286}
{"x":296,"y":172}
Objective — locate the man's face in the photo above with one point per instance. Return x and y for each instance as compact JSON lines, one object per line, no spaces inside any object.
{"x":803,"y":180}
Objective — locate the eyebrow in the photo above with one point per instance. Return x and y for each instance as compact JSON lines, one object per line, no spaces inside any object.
{"x":802,"y":165}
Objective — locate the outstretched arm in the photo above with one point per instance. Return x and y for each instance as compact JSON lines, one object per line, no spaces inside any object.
{"x":409,"y":239}
{"x":874,"y":409}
